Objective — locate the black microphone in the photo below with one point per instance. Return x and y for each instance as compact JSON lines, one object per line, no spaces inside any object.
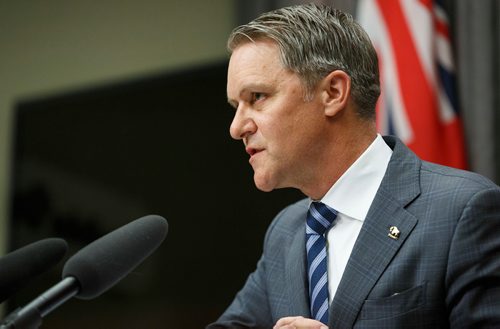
{"x":20,"y":266}
{"x":95,"y":268}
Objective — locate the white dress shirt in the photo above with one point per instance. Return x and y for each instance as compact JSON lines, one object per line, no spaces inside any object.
{"x":352,"y":196}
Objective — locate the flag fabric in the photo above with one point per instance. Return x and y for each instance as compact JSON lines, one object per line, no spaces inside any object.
{"x":418,"y":101}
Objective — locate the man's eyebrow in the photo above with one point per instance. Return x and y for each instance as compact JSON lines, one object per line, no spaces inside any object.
{"x":256,"y":86}
{"x":251,"y":87}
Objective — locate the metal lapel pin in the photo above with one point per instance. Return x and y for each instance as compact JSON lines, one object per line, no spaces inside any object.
{"x":394,"y":233}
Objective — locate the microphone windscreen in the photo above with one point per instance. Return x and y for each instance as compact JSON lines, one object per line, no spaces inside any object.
{"x":104,"y":262}
{"x":20,"y":266}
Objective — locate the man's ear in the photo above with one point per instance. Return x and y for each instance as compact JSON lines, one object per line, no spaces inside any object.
{"x":336,"y":90}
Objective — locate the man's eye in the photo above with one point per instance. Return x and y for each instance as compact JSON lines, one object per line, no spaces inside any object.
{"x":257,"y":96}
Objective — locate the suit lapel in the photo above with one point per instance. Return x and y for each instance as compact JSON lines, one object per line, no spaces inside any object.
{"x":374,"y":249}
{"x":295,"y":269}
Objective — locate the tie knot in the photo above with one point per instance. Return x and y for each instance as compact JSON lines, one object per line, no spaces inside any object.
{"x":319,"y":218}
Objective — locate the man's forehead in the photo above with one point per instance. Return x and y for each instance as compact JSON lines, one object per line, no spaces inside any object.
{"x":253,"y":61}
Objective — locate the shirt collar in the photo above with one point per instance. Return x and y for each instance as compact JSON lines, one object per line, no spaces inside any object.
{"x":354,"y":191}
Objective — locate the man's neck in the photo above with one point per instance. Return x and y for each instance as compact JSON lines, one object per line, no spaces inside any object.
{"x":346,"y":152}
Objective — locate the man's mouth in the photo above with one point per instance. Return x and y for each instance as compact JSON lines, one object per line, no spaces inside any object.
{"x":251,"y":151}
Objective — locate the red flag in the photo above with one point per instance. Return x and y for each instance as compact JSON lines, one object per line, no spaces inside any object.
{"x":418,"y":102}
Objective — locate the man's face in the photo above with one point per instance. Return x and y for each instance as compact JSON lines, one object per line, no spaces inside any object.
{"x":282,"y":132}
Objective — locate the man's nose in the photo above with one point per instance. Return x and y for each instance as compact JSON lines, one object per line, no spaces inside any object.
{"x":242,"y":125}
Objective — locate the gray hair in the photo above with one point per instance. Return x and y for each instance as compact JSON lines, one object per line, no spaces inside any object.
{"x":315,"y":40}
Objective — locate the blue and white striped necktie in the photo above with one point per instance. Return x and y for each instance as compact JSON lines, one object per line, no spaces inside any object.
{"x":319,"y":218}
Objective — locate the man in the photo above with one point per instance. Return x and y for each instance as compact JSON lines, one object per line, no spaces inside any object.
{"x":384,"y":240}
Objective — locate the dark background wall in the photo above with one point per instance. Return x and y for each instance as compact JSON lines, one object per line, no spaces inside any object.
{"x":55,"y":47}
{"x":90,"y":161}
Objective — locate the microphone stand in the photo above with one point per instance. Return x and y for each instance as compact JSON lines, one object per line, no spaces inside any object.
{"x":30,"y":316}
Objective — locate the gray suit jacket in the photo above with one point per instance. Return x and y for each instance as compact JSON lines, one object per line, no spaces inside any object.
{"x":442,"y":272}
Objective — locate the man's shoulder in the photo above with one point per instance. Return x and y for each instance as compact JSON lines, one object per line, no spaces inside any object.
{"x":438,"y":174}
{"x":407,"y":168}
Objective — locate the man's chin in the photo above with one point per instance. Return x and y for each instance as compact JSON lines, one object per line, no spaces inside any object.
{"x":263,"y":188}
{"x":263,"y":184}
